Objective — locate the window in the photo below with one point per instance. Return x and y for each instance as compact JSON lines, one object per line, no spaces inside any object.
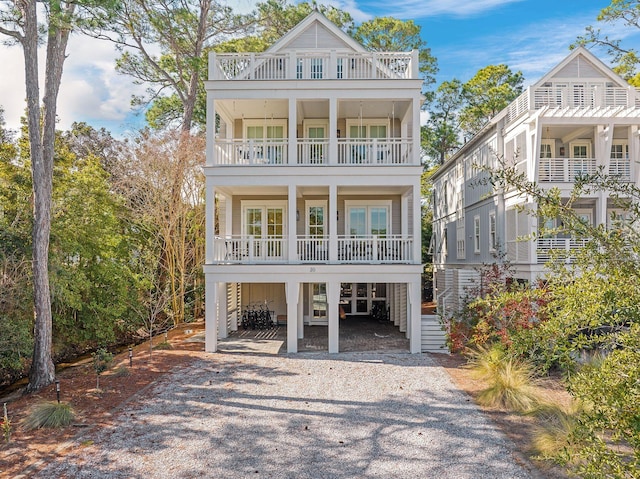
{"x":339,"y":68}
{"x":620,"y":150}
{"x":619,"y":164}
{"x":476,"y":234}
{"x":493,"y":241}
{"x":265,"y":222}
{"x":546,"y":149}
{"x":316,"y":68}
{"x":316,"y":219}
{"x":368,"y":219}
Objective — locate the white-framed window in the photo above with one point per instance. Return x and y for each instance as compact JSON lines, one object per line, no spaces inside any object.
{"x":580,"y":149}
{"x":460,"y":206}
{"x":547,"y":149}
{"x":493,"y":238}
{"x":460,"y":252}
{"x":264,"y":129}
{"x":620,"y":150}
{"x":317,"y":66}
{"x":476,"y":234}
{"x":368,"y":218}
{"x":264,"y":220}
{"x":316,"y":215}
{"x":368,"y":128}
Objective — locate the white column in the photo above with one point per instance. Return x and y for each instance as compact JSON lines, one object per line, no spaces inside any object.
{"x":415,"y":160}
{"x":211,"y":316}
{"x":211,"y":125}
{"x":292,"y":230}
{"x":333,"y":223}
{"x":414,"y":325}
{"x":222,"y":310}
{"x":333,"y":303}
{"x":333,"y":131}
{"x":292,"y":290}
{"x":301,"y":311}
{"x":293,"y":133}
{"x":210,"y":221}
{"x":417,"y":224}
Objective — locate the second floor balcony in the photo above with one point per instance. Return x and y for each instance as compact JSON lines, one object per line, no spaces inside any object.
{"x":566,"y":170}
{"x":314,"y":152}
{"x":394,"y":249}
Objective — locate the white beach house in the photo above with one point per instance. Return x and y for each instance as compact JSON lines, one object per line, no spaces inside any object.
{"x":313,"y":184}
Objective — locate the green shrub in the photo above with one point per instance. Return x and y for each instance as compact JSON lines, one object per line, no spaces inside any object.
{"x":49,"y":414}
{"x":608,"y":430}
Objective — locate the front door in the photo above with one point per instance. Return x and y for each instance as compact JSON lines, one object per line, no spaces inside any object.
{"x":359,"y":298}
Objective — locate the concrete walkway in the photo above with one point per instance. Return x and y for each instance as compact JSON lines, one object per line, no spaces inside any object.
{"x":310,"y":415}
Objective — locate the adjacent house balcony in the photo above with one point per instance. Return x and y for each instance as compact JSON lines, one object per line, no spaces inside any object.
{"x":565,"y":170}
{"x":599,"y":99}
{"x":549,"y":248}
{"x":298,"y":65}
{"x":314,"y":250}
{"x":350,"y":151}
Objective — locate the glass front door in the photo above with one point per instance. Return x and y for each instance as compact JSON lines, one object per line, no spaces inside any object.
{"x":359,"y":298}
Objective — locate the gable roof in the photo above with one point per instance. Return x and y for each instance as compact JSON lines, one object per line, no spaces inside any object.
{"x":590,"y":63}
{"x":313,"y":20}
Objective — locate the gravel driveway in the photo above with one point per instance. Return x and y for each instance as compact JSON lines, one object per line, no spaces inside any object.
{"x":354,"y":415}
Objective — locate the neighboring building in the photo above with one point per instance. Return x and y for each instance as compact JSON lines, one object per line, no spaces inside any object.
{"x":313,"y":158}
{"x":579,"y":117}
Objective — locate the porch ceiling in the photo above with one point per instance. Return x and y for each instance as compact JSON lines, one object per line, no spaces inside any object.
{"x":306,"y":191}
{"x":309,"y":109}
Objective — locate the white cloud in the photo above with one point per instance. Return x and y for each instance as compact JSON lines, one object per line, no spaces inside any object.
{"x":91,"y":89}
{"x":417,"y":9}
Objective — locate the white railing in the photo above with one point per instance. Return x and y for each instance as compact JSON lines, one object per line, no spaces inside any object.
{"x":369,"y":249}
{"x":620,"y":167}
{"x":313,"y":151}
{"x":564,"y":170}
{"x":372,"y":249}
{"x":571,"y":96}
{"x":393,"y":151}
{"x":312,"y":250}
{"x":249,"y":249}
{"x":549,"y":248}
{"x":311,"y":66}
{"x":251,"y":152}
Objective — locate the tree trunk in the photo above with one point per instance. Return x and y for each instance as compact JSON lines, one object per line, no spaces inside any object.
{"x":42,"y":371}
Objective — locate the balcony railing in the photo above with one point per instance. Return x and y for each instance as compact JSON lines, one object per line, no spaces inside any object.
{"x":372,"y":249}
{"x":251,"y":152}
{"x":311,"y":151}
{"x":620,"y":167}
{"x":369,"y":249}
{"x":374,"y":151}
{"x":312,"y":66}
{"x":563,"y":170}
{"x":549,"y":248}
{"x":571,"y":96}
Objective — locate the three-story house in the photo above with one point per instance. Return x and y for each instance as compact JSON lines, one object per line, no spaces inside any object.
{"x":313,"y":184}
{"x":578,"y":118}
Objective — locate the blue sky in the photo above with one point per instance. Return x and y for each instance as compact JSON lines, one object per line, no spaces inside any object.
{"x":464,"y":35}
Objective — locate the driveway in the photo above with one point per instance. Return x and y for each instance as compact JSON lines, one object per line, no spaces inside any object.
{"x":309,"y":415}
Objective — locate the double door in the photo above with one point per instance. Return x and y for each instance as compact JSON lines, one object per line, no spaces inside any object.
{"x":359,"y":298}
